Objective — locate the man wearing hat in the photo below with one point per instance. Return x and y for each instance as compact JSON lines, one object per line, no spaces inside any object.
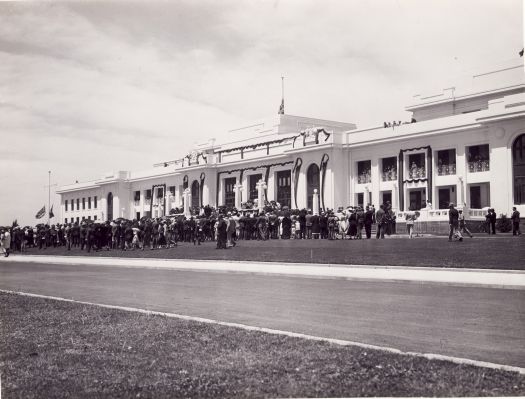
{"x":453,"y":221}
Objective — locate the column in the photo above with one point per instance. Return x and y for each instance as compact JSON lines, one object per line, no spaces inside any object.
{"x":238,"y":190}
{"x":394,"y":197}
{"x":459,"y":189}
{"x":168,"y":203}
{"x":187,"y":199}
{"x":261,"y":186}
{"x":315,"y":202}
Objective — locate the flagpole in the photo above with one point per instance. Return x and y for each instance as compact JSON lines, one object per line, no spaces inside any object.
{"x":282,"y":87}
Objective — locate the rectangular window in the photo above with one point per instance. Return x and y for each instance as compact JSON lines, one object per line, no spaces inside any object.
{"x":364,"y":172}
{"x":136,"y":198}
{"x":89,"y":217}
{"x":229,"y":192}
{"x":83,"y":203}
{"x":95,"y":202}
{"x":253,"y":179}
{"x":160,"y":192}
{"x":478,"y":158}
{"x":78,"y":219}
{"x":389,"y":169}
{"x":66,"y":206}
{"x":89,"y":202}
{"x":148,"y":194}
{"x":65,"y":220}
{"x":83,"y":218}
{"x":78,"y":204}
{"x":95,"y":217}
{"x":172,"y":190}
{"x":446,"y":162}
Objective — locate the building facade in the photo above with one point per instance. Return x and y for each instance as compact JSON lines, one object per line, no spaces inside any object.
{"x":464,"y":145}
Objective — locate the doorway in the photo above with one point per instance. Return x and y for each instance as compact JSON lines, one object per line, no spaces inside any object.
{"x":386,"y":196}
{"x":479,"y":195}
{"x":416,"y":199}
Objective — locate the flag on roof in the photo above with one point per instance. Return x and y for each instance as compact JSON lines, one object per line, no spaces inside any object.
{"x":40,"y":214}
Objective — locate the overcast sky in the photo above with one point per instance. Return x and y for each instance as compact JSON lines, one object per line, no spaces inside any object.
{"x":91,"y":87}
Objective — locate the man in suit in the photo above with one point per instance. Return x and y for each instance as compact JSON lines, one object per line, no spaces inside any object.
{"x":308,"y":224}
{"x":302,"y":223}
{"x":369,"y":220}
{"x":380,"y":219}
{"x":515,"y":222}
{"x":492,"y":220}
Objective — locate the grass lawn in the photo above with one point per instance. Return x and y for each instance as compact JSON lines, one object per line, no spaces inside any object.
{"x":59,"y":349}
{"x":495,"y":252}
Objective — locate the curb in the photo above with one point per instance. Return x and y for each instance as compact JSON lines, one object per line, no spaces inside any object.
{"x":507,"y":279}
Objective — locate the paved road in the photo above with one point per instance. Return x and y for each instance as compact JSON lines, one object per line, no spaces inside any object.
{"x":485,"y":324}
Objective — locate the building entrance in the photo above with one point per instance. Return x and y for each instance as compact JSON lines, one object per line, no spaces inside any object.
{"x":284,"y":188}
{"x":479,"y":196}
{"x":386,"y":196}
{"x":416,"y":199}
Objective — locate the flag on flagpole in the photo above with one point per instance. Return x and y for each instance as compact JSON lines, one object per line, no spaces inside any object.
{"x":40,"y":214}
{"x":521,"y":52}
{"x":281,"y":108}
{"x":51,"y":214}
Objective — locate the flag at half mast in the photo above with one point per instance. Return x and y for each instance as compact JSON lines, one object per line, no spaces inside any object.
{"x":281,"y":108}
{"x":51,"y":214}
{"x":40,"y":214}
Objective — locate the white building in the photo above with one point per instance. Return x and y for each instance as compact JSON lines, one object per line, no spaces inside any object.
{"x":467,"y":146}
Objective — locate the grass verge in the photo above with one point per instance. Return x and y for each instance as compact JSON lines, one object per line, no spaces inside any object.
{"x":60,"y":349}
{"x":494,"y":252}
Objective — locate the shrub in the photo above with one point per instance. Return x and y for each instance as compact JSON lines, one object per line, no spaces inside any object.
{"x":504,"y":224}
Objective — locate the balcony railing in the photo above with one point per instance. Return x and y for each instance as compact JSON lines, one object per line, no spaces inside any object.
{"x":444,"y":170}
{"x":479,"y":166}
{"x":389,"y":175}
{"x":364,"y":178}
{"x":417,"y":173}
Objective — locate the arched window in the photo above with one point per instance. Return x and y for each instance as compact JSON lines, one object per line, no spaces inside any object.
{"x":110,"y":207}
{"x":195,"y":194}
{"x":518,"y":169}
{"x":312,"y":183}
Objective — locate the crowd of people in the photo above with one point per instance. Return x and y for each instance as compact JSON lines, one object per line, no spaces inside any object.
{"x":224,"y":227}
{"x":397,"y":123}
